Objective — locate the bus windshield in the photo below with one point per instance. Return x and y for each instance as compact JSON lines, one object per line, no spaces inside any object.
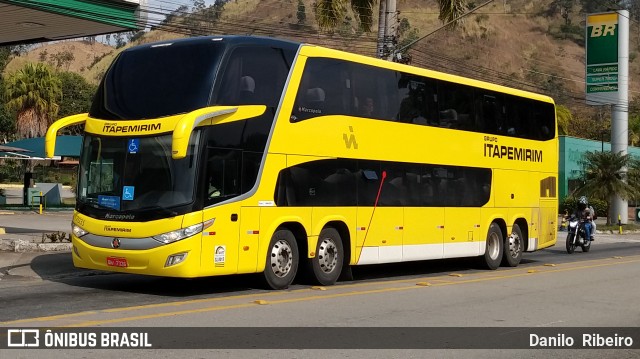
{"x":157,"y":81}
{"x":120,"y":174}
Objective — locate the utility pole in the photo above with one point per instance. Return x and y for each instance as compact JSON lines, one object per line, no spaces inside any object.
{"x":391,"y":26}
{"x":387,"y":27}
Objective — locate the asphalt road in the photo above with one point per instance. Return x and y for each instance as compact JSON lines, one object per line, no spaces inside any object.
{"x":550,"y":289}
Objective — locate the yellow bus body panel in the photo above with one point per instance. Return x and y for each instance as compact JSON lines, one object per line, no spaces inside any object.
{"x":237,"y":242}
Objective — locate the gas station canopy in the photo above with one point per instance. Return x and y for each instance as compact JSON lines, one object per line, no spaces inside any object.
{"x":29,"y":21}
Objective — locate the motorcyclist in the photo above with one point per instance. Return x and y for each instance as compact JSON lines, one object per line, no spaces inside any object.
{"x":586,"y":212}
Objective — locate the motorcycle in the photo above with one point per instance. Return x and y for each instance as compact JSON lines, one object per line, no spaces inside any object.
{"x":577,"y":236}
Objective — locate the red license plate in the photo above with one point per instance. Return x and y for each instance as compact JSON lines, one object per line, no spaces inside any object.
{"x":117,"y":262}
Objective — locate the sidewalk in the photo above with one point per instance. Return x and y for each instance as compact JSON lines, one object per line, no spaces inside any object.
{"x":22,"y":251}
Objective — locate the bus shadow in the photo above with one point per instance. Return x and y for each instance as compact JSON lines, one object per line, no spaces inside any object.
{"x":59,"y":268}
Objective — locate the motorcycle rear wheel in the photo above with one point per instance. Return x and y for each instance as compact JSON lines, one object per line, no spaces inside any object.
{"x":586,"y":247}
{"x":570,"y":246}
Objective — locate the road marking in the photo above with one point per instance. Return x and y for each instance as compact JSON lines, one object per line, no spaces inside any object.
{"x":440,"y":281}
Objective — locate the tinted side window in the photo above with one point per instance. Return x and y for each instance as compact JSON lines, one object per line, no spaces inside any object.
{"x":490,"y":113}
{"x":318,"y":183}
{"x":253,"y":76}
{"x":335,"y":87}
{"x":531,"y":119}
{"x":418,"y":100}
{"x":325,"y":89}
{"x":234,"y":154}
{"x":350,"y":182}
{"x":374,"y":92}
{"x":455,"y":106}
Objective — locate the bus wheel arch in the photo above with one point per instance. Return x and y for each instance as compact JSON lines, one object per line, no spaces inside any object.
{"x":332,"y":254}
{"x":283,"y":256}
{"x":515,"y":243}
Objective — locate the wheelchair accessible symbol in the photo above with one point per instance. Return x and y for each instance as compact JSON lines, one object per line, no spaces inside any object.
{"x":134,"y":145}
{"x":127,"y":193}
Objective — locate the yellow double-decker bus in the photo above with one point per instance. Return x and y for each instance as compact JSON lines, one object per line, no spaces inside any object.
{"x":224,"y":155}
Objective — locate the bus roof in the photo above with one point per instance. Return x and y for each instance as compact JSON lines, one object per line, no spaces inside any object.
{"x":312,"y":50}
{"x":318,"y":51}
{"x":227,"y":39}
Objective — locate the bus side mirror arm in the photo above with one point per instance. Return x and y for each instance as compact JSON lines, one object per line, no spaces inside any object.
{"x":52,"y":131}
{"x":207,"y":116}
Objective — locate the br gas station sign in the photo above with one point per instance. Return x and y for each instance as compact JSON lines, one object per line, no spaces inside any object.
{"x":602,"y":59}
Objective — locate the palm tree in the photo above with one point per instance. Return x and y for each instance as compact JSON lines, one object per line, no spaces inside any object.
{"x":330,"y":13}
{"x":33,"y":92}
{"x":604,"y":178}
{"x":634,"y":129}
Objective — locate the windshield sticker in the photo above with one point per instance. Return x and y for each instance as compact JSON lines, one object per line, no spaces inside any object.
{"x":109,"y":202}
{"x":218,"y":259}
{"x":134,"y":145}
{"x":127,"y":193}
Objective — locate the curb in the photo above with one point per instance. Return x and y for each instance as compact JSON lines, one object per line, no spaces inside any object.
{"x":22,"y":246}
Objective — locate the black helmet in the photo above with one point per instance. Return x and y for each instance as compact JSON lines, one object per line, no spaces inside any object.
{"x":582,"y":203}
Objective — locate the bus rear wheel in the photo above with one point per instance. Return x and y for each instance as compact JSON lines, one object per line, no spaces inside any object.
{"x":326,"y":265}
{"x":282,"y":260}
{"x":513,"y":247}
{"x":494,"y":248}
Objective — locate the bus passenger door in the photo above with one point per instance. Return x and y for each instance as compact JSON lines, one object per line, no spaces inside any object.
{"x":461,"y":232}
{"x":423,"y":233}
{"x":249,"y":239}
{"x":383,"y":231}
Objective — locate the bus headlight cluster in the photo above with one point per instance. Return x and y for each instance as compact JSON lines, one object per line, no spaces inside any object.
{"x":179,"y":234}
{"x":77,"y":231}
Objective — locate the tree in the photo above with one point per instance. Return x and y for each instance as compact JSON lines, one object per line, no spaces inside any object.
{"x":603,"y":178}
{"x":33,"y":92}
{"x":62,"y":58}
{"x":7,"y":119}
{"x":450,"y":10}
{"x":301,"y":13}
{"x":331,"y":13}
{"x":564,"y":116}
{"x":77,"y":95}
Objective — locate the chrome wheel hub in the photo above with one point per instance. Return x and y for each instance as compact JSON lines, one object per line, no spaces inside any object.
{"x":493,"y":246}
{"x":327,"y":255}
{"x":281,"y":258}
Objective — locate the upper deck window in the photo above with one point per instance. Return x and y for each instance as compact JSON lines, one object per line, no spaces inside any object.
{"x":337,"y":87}
{"x":157,"y":81}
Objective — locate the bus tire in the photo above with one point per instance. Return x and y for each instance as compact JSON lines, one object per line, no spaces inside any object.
{"x":326,"y":265}
{"x":282,"y":260}
{"x":513,"y":248}
{"x":494,"y":248}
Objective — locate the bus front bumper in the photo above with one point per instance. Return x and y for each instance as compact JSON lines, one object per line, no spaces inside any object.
{"x":159,"y":261}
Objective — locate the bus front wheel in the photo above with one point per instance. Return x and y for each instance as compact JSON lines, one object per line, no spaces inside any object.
{"x":326,"y":265}
{"x":494,"y":247}
{"x":282,"y":260}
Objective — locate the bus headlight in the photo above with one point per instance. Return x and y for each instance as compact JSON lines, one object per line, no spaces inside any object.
{"x":179,"y":234}
{"x":77,"y":231}
{"x":175,"y":259}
